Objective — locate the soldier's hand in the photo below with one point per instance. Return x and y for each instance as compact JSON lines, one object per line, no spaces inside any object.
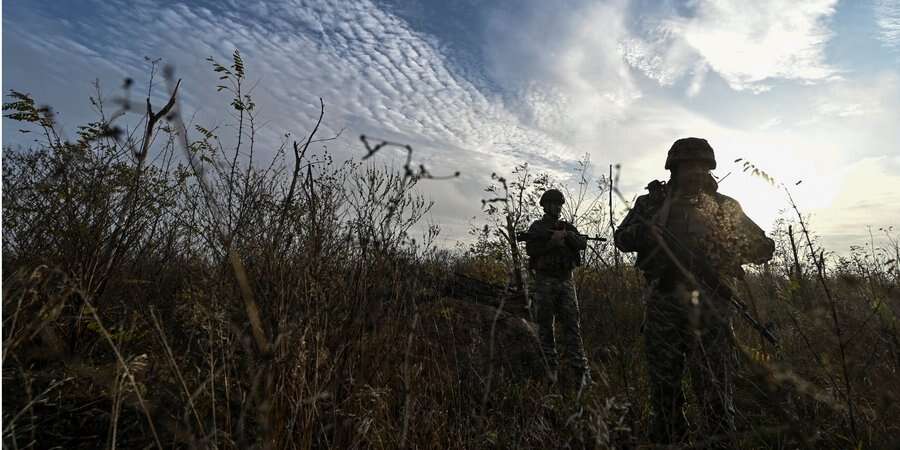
{"x":558,"y":236}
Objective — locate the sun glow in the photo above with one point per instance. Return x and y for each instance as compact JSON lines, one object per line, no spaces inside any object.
{"x":759,"y":175}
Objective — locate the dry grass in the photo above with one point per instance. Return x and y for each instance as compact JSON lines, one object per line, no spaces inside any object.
{"x":130,"y":289}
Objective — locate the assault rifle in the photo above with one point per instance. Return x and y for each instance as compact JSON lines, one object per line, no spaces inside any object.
{"x":699,"y":271}
{"x":709,"y":279}
{"x":525,"y":236}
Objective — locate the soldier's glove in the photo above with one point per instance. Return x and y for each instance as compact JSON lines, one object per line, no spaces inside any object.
{"x":558,"y":237}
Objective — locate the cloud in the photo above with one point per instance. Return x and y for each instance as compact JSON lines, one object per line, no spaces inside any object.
{"x":845,"y":100}
{"x":747,"y":43}
{"x":374,"y":71}
{"x":887,"y":18}
{"x":567,"y":57}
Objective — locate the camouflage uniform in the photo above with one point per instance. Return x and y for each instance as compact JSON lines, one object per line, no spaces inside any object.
{"x":687,"y":326}
{"x":554,"y":296}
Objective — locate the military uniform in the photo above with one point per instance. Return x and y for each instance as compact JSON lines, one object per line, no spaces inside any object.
{"x":552,"y":264}
{"x":687,"y":326}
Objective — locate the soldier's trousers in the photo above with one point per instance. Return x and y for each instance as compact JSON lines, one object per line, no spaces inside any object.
{"x":555,"y":301}
{"x":683,"y":330}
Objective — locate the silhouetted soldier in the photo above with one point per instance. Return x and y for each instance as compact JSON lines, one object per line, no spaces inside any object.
{"x":684,"y":230}
{"x":552,"y":260}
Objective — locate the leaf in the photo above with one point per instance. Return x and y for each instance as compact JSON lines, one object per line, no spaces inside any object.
{"x":238,"y":64}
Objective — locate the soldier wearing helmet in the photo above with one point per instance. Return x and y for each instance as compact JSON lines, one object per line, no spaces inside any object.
{"x":552,"y":261}
{"x":678,"y":228}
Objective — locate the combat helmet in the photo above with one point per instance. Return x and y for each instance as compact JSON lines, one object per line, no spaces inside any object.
{"x":552,"y":195}
{"x":691,"y":149}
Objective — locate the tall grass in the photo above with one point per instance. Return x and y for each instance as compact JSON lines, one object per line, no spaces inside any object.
{"x":160,"y":291}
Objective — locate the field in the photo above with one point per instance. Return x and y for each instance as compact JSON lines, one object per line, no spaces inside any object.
{"x":160,"y":292}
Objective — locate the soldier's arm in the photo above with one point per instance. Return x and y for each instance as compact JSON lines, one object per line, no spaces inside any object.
{"x":631,"y":235}
{"x":575,"y":240}
{"x":756,"y":247}
{"x":537,"y":247}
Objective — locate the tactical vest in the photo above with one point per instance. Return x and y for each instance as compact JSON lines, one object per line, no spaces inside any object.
{"x":560,"y":261}
{"x":688,"y":224}
{"x":694,"y":231}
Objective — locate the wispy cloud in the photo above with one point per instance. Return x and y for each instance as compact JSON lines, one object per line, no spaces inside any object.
{"x":372,"y":68}
{"x":871,"y":98}
{"x":749,"y":44}
{"x":887,"y":17}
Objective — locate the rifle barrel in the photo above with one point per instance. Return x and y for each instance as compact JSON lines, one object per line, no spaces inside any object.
{"x":764,"y":331}
{"x":523,"y":236}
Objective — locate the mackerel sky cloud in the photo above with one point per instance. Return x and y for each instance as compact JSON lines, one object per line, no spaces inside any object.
{"x":806,"y":90}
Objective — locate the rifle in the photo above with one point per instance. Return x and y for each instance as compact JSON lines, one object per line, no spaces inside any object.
{"x":525,"y":236}
{"x":709,"y":279}
{"x":700,"y":272}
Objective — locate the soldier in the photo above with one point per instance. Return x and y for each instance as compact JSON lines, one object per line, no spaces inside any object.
{"x":681,"y":229}
{"x":552,"y":260}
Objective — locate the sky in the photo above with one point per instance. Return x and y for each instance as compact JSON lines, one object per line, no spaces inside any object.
{"x":806,"y":90}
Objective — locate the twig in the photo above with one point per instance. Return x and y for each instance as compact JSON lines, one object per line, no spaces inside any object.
{"x":153,"y":118}
{"x":299,"y":153}
{"x":408,"y":171}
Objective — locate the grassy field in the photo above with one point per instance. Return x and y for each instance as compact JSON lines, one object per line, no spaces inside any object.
{"x":160,"y":292}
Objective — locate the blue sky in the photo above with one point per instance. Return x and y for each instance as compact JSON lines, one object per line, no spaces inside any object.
{"x":806,"y":89}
